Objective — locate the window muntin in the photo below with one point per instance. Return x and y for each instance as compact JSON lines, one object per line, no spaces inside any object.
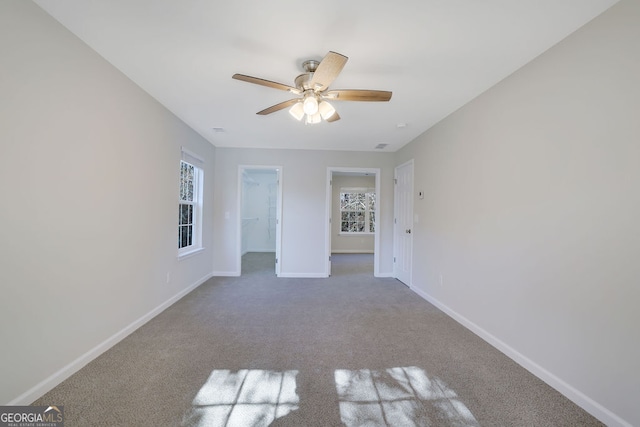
{"x":357,"y":210}
{"x":189,"y":208}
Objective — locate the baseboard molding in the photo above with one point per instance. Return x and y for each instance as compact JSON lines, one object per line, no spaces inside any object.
{"x":303,"y":275}
{"x":225,"y":274}
{"x":573,"y":394}
{"x":47,"y":384}
{"x":351,"y":251}
{"x":389,"y":274}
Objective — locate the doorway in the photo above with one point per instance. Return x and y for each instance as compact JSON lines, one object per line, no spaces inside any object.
{"x":360,"y":234}
{"x":260,"y":207}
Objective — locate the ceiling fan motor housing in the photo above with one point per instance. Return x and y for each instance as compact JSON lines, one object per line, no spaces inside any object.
{"x":310,"y":66}
{"x":303,"y":81}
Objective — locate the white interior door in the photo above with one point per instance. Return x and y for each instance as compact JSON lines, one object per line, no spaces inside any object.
{"x":403,"y":222}
{"x":329,"y":220}
{"x":278,"y":210}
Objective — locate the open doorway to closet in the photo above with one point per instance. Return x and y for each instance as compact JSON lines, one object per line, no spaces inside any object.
{"x":352,"y":218}
{"x":260,"y":197}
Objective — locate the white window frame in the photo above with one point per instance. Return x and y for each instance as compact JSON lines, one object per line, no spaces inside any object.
{"x":196,"y":222}
{"x":368,"y":212}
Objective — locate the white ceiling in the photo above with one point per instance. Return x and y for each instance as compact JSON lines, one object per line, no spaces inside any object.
{"x":434,"y":55}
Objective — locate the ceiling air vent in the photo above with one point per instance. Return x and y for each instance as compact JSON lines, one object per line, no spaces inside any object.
{"x":381,"y":146}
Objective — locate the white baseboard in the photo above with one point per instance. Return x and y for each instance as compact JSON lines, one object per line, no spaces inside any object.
{"x":388,"y":274}
{"x":304,"y":275}
{"x":573,"y":394}
{"x":352,"y":251}
{"x":47,"y":384}
{"x":225,"y":274}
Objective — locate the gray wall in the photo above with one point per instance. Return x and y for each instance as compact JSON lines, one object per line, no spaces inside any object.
{"x":304,"y":206}
{"x":89,"y":181}
{"x":531,"y":214}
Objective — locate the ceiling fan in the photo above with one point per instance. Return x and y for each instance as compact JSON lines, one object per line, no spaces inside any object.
{"x":313,"y":89}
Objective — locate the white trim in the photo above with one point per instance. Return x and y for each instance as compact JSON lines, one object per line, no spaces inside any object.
{"x":49,"y":383}
{"x":304,"y":275}
{"x":573,"y":394}
{"x":328,"y":205}
{"x":187,"y":155}
{"x":352,"y":251}
{"x":190,"y":253}
{"x":352,"y":190}
{"x":386,"y":274}
{"x":226,"y":274}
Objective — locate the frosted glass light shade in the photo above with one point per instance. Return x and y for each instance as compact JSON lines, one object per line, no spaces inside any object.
{"x":326,"y":110}
{"x":310,"y":105}
{"x":297,"y":111}
{"x":313,"y":119}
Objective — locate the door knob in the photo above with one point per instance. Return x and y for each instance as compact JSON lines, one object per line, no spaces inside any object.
{"x":408,"y":231}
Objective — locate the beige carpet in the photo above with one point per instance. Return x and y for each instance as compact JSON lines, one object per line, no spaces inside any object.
{"x":351,"y":350}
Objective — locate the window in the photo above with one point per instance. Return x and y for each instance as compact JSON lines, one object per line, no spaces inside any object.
{"x":357,"y":210}
{"x":190,"y":204}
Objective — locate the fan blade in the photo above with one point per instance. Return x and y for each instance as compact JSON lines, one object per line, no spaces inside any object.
{"x":358,"y":95}
{"x":267,"y":83}
{"x":334,"y":117}
{"x":327,"y":71}
{"x":278,"y":107}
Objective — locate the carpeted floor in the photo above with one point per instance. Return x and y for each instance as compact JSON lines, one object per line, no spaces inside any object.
{"x":350,"y":350}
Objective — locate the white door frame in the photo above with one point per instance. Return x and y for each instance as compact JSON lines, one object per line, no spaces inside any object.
{"x":278,"y":170}
{"x":329,"y":207}
{"x":398,"y":231}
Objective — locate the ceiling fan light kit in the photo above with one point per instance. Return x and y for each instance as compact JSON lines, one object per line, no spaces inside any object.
{"x":297,"y":111}
{"x":310,"y":103}
{"x":313,"y":119}
{"x":326,"y":109}
{"x":313,"y":86}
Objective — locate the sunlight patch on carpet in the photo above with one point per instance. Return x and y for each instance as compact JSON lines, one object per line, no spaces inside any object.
{"x":398,"y":396}
{"x":248,"y":397}
{"x":402,"y":396}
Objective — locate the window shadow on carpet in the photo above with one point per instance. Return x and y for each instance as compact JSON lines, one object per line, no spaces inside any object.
{"x":244,"y":398}
{"x":401,"y":396}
